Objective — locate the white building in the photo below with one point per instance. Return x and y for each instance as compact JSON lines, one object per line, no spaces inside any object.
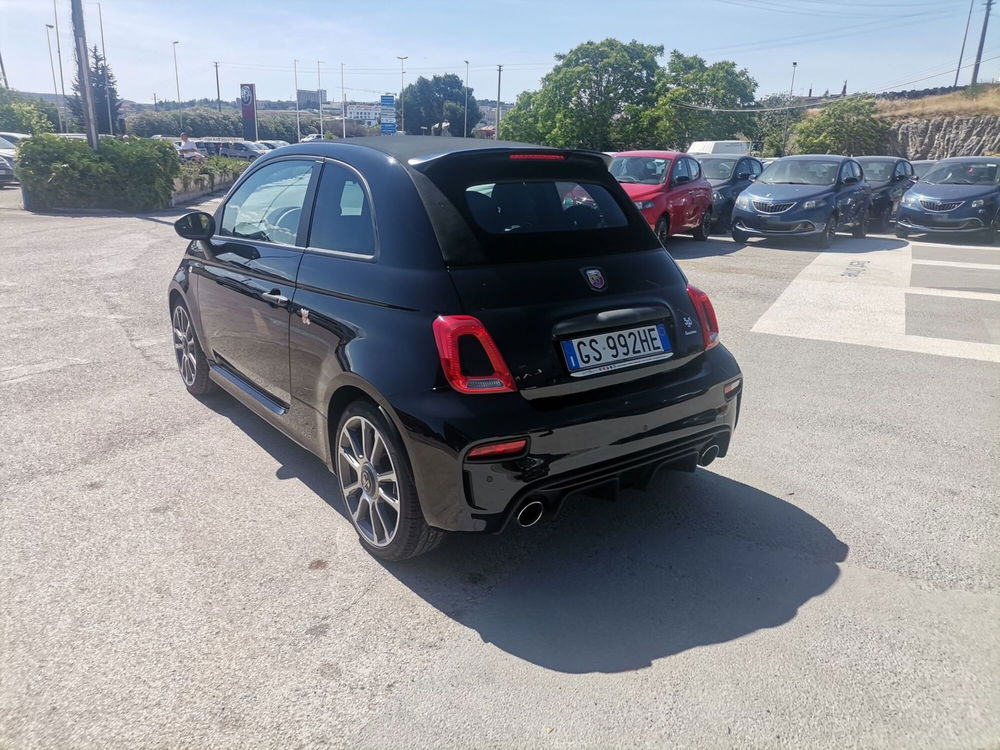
{"x":365,"y":112}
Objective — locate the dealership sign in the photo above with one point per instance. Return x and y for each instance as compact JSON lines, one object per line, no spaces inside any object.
{"x":248,"y":104}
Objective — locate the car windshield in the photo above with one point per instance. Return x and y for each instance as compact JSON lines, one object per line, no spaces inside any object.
{"x":647,"y":170}
{"x":921,"y":169}
{"x":879,"y":171}
{"x":964,"y":173}
{"x":800,"y":172}
{"x":4,"y":143}
{"x":718,"y":169}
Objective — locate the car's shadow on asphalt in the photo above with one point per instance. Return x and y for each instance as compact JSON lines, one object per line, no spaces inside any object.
{"x":690,"y":249}
{"x":695,"y":560}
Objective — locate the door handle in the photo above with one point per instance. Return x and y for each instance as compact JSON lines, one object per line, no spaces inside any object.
{"x":275,"y":297}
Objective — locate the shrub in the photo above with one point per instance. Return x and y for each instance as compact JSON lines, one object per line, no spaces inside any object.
{"x":134,"y":175}
{"x":216,"y":168}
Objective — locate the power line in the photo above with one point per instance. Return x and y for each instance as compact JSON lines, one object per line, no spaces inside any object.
{"x":812,"y":105}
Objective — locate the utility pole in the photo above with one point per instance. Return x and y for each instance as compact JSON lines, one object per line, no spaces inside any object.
{"x":177,"y":80}
{"x":62,"y":81}
{"x":156,"y":105}
{"x":982,"y":41}
{"x":83,"y":71}
{"x":402,"y":106}
{"x":55,"y":86}
{"x":218,"y":90}
{"x":3,"y":74}
{"x":496,"y":135}
{"x":343,"y":101}
{"x":465,"y":131}
{"x":319,"y":98}
{"x":961,"y":54}
{"x":298,"y":127}
{"x":107,"y":81}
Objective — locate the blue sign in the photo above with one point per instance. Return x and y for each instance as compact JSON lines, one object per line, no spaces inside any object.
{"x":388,"y":100}
{"x":388,"y":114}
{"x":388,"y":128}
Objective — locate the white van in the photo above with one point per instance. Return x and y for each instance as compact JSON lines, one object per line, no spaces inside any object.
{"x":720,"y":147}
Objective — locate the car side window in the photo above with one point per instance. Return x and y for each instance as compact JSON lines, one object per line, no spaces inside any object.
{"x":342,"y":217}
{"x":857,"y":171}
{"x":267,"y":207}
{"x":901,"y":170}
{"x":845,"y":171}
{"x":755,"y":167}
{"x":742,"y":167}
{"x":694,"y":169}
{"x":680,"y":170}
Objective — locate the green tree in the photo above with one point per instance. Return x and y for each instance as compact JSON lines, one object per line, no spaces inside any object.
{"x":847,"y":126}
{"x":774,"y":126}
{"x":104,"y":88}
{"x":428,"y":102}
{"x":592,"y":98}
{"x":19,"y":114}
{"x":688,"y":90}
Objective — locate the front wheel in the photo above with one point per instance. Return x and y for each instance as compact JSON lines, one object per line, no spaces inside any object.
{"x":860,"y":230}
{"x":901,"y":232}
{"x":704,"y":227}
{"x":377,"y":486}
{"x":662,"y":230}
{"x":740,"y":236}
{"x":829,"y":234}
{"x":191,"y":361}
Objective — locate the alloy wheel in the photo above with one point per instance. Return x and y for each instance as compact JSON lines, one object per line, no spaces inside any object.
{"x":368,"y":482}
{"x":184,"y":346}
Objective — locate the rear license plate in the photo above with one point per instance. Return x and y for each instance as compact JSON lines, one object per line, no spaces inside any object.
{"x":612,"y":350}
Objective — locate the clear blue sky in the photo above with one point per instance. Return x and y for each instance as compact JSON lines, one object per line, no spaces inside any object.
{"x":874,"y":44}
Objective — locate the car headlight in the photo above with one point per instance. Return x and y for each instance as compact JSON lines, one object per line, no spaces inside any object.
{"x":909,"y":199}
{"x":641,"y":205}
{"x":813,"y":203}
{"x":979,"y":203}
{"x":743,"y":201}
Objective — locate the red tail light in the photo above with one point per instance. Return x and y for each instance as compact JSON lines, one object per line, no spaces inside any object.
{"x":537,"y":157}
{"x":448,"y":329}
{"x":706,"y":316}
{"x":497,"y":450}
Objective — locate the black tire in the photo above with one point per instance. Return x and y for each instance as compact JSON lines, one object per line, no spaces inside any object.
{"x":991,"y":235}
{"x":704,"y":227}
{"x":412,"y":535}
{"x":662,"y":230}
{"x":823,"y":241}
{"x":740,"y":236}
{"x":192,"y":365}
{"x":902,"y":232}
{"x":860,"y":230}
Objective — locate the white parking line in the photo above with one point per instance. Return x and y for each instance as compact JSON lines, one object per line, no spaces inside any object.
{"x":860,"y":298}
{"x":957,"y":264}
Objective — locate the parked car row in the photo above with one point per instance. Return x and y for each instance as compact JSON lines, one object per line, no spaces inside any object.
{"x":811,"y":196}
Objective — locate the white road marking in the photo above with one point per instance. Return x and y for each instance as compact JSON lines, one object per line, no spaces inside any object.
{"x":958,"y":264}
{"x":860,"y":298}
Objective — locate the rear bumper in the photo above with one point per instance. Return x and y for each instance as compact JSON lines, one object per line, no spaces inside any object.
{"x":575,"y":445}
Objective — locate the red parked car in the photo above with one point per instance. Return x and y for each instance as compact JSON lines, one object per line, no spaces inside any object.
{"x":670,"y":190}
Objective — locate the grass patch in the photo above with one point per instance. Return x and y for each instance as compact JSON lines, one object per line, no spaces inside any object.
{"x":975,"y":100}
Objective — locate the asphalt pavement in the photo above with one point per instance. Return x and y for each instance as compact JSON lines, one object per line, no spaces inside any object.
{"x":174,"y":573}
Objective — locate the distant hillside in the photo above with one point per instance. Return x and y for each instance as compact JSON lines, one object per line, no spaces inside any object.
{"x":980,"y":100}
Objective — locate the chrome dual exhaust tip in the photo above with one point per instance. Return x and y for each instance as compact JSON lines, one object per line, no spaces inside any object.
{"x":530,"y":513}
{"x":708,"y":455}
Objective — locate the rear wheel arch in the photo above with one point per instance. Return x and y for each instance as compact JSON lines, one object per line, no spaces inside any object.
{"x":344,"y":396}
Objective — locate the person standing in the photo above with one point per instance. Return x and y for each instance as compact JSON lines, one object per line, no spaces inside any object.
{"x":189,"y":150}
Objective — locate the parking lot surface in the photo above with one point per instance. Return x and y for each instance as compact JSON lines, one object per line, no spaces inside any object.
{"x":173,"y":572}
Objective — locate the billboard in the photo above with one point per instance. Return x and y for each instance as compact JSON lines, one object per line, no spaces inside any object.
{"x":387,"y":118}
{"x":248,"y":103}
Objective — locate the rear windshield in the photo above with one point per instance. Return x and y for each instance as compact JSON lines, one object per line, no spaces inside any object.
{"x":497,"y":211}
{"x":878,"y":171}
{"x":543,"y":206}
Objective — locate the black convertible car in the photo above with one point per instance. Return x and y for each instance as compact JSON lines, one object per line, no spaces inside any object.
{"x":466,"y":332}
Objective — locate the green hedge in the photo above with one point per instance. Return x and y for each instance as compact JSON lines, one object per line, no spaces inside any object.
{"x":217,"y":168}
{"x":134,"y":175}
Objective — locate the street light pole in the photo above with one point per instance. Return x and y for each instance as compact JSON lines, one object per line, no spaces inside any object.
{"x":319,"y":98}
{"x":343,"y":101}
{"x":402,"y":106}
{"x":218,"y":89}
{"x":62,"y":80}
{"x":177,"y":80}
{"x":298,"y":127}
{"x":496,"y":135}
{"x":55,"y":86}
{"x":107,"y":82}
{"x":788,"y":119}
{"x":83,"y":73}
{"x":465,"y":131}
{"x":3,"y":74}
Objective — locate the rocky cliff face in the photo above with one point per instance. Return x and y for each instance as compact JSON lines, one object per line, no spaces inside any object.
{"x":939,"y":137}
